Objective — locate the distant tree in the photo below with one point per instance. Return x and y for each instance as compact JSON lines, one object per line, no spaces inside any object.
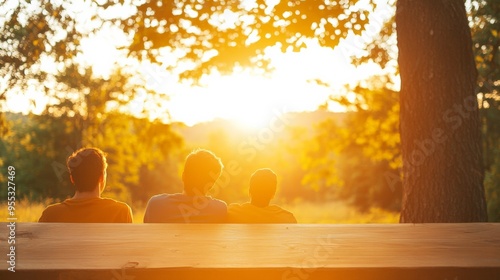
{"x":484,"y":18}
{"x":38,"y":146}
{"x":40,"y":50}
{"x":358,"y":156}
{"x":492,"y":188}
{"x":440,"y":129}
{"x":35,"y":146}
{"x":29,"y":32}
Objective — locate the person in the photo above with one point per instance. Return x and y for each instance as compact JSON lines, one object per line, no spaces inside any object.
{"x":87,"y":169}
{"x":262,"y":189}
{"x":202,"y":168}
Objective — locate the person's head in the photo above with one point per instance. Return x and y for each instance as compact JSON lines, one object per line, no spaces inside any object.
{"x":201,"y":170}
{"x":262,"y":187}
{"x":87,"y":169}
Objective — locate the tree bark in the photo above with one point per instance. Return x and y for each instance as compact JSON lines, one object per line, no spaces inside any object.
{"x":440,"y":136}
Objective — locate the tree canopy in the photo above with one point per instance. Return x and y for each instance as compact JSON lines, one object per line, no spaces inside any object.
{"x":213,"y":34}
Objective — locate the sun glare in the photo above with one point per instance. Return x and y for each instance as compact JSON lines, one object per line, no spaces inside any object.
{"x":241,"y":98}
{"x":246,"y":99}
{"x":249,"y":99}
{"x":253,"y":101}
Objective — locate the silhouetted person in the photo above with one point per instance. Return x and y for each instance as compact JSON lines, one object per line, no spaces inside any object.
{"x":262,"y":189}
{"x":87,"y":169}
{"x":201,"y":170}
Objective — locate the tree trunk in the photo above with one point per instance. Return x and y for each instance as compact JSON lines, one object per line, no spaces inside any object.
{"x":441,"y":141}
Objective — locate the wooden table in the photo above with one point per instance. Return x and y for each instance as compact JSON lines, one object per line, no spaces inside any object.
{"x":233,"y":251}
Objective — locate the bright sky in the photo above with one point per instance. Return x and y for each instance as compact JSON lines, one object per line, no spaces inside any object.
{"x":242,"y":97}
{"x":253,"y":99}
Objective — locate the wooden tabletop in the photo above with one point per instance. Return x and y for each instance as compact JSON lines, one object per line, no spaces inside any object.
{"x":47,"y":246}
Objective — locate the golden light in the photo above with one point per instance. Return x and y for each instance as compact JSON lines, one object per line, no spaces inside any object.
{"x":252,"y":100}
{"x":243,"y":97}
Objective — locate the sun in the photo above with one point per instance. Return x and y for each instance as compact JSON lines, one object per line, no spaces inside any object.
{"x":253,"y":101}
{"x":250,"y":101}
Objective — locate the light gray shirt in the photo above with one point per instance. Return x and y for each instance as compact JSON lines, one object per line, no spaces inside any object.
{"x":182,"y":208}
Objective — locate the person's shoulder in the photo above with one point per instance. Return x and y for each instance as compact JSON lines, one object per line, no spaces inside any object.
{"x":165,"y":198}
{"x":219,"y":202}
{"x":123,"y":208}
{"x":280,"y":209}
{"x":162,"y":196}
{"x":234,"y":206}
{"x":275,"y":207}
{"x":114,"y":203}
{"x":238,"y":206}
{"x":54,"y":207}
{"x":285,"y":214}
{"x":160,"y":202}
{"x":237,"y":209}
{"x":51,"y":211}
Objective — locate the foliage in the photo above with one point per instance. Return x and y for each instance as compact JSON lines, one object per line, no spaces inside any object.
{"x":360,"y":156}
{"x":143,"y":157}
{"x":41,"y":50}
{"x":382,"y":48}
{"x":26,"y":36}
{"x":33,"y":147}
{"x":484,"y":21}
{"x":492,"y":188}
{"x":26,"y":211}
{"x":339,"y":213}
{"x":38,"y":147}
{"x":484,"y":17}
{"x":32,"y":31}
{"x":209,"y":35}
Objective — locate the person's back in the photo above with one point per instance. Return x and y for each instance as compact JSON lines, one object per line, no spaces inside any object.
{"x":262,"y":189}
{"x":87,"y":168}
{"x":248,"y":213}
{"x":201,"y":169}
{"x":182,"y":208}
{"x":87,"y":210}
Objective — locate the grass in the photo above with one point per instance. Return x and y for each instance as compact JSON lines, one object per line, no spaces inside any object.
{"x":338,"y":213}
{"x":305,"y":212}
{"x":25,"y":211}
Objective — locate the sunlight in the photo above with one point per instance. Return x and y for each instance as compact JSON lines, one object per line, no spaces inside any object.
{"x":301,"y":81}
{"x":252,"y":100}
{"x":246,"y":99}
{"x":242,"y":98}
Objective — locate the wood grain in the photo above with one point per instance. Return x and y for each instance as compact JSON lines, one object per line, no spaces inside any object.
{"x":231,"y":246}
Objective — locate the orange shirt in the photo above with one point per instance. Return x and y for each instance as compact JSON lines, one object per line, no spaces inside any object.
{"x":87,"y":210}
{"x":248,"y":213}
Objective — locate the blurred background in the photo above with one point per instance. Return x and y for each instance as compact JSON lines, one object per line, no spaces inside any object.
{"x":306,"y":88}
